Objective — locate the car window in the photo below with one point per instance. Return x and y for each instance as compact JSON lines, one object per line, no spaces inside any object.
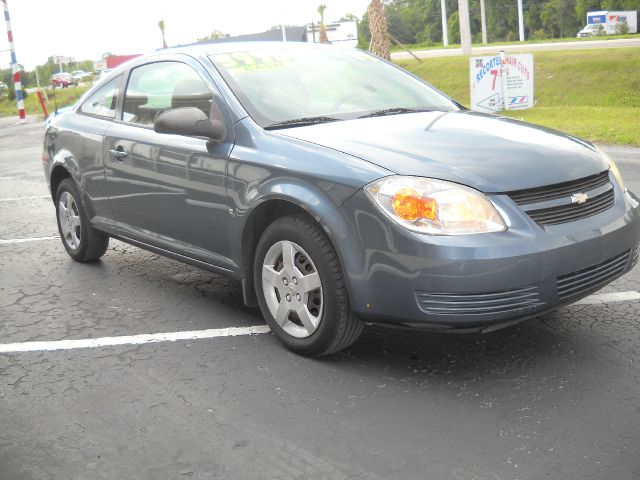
{"x":103,"y":102}
{"x":161,"y":86}
{"x":280,"y":84}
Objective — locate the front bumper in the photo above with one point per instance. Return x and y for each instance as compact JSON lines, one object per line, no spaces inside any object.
{"x":477,"y":282}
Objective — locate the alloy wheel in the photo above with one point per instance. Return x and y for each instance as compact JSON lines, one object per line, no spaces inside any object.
{"x":69,"y":218}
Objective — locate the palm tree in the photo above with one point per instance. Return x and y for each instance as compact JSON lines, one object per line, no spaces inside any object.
{"x":161,"y":27}
{"x":378,"y":28}
{"x":323,"y":30}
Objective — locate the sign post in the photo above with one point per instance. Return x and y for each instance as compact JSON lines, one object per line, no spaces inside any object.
{"x":15,"y":68}
{"x":501,"y":82}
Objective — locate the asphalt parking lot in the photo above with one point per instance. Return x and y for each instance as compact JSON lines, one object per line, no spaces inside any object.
{"x":554,"y":398}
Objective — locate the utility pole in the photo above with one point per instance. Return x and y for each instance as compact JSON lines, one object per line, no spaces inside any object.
{"x":521,"y":20}
{"x":465,"y":26}
{"x":284,"y":33}
{"x":445,"y":29}
{"x":15,"y":69}
{"x":483,"y":21}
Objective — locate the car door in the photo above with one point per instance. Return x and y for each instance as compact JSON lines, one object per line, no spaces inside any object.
{"x":95,"y":116}
{"x":169,"y":190}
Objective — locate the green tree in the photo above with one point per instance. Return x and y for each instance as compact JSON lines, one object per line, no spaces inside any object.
{"x":621,"y":5}
{"x":584,"y":6}
{"x":217,"y":34}
{"x":349,"y":17}
{"x":559,"y":18}
{"x":453,"y":26}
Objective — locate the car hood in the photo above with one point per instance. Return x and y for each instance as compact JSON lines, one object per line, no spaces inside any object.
{"x":489,"y":153}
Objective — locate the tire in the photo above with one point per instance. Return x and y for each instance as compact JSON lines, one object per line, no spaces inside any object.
{"x":304,"y":299}
{"x":82,"y":242}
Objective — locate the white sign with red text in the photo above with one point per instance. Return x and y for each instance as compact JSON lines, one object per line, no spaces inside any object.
{"x":501,"y":82}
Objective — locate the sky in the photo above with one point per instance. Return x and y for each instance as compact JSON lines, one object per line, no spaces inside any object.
{"x":85,"y":29}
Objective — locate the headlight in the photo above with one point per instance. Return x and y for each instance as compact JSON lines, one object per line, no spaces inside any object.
{"x":435,"y":207}
{"x":614,"y":169}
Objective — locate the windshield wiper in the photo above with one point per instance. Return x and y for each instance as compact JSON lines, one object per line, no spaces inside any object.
{"x":394,"y":111}
{"x":300,"y":122}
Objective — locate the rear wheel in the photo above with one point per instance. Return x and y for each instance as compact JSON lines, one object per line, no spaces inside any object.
{"x":82,"y":242}
{"x":301,"y":289}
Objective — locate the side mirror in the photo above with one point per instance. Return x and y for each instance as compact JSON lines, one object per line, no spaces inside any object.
{"x":191,"y":122}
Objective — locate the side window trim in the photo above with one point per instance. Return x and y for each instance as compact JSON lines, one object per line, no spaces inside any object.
{"x":119,"y":96}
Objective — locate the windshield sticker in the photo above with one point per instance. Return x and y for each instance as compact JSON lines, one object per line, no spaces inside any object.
{"x":244,"y":62}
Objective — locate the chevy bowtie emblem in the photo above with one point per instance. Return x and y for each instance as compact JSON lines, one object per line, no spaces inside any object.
{"x":579,"y":198}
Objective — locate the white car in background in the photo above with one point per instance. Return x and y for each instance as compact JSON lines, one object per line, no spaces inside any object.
{"x":591,"y":31}
{"x":80,"y":75}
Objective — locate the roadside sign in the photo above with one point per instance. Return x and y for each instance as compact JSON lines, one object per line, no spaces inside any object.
{"x":61,"y":59}
{"x":99,"y":65}
{"x":501,"y":82}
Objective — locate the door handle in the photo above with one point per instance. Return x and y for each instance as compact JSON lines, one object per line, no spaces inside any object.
{"x":118,"y":153}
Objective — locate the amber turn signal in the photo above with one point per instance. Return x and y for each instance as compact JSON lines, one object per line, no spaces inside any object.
{"x":409,"y":205}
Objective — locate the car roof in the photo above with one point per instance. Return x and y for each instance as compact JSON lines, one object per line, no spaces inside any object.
{"x":213,"y":48}
{"x":203,"y":50}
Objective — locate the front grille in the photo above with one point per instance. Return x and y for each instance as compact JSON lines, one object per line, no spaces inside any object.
{"x":479,"y":303}
{"x":636,"y":254}
{"x":533,"y":200}
{"x":591,"y":278}
{"x":573,"y":211}
{"x":559,"y":190}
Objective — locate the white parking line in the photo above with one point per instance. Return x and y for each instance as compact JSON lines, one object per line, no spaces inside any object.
{"x":601,"y":298}
{"x":6,"y":178}
{"x":25,"y":240}
{"x":41,"y":346}
{"x":131,"y":340}
{"x":15,"y":199}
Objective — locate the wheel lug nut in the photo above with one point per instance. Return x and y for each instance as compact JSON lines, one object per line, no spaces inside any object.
{"x":294,"y":280}
{"x":288,"y":297}
{"x":285,"y":281}
{"x":298,"y":296}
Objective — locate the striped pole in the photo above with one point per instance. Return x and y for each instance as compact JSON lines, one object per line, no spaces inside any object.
{"x":14,"y":63}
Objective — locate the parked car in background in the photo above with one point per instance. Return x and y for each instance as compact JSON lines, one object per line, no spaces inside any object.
{"x":63,"y":80}
{"x":80,"y":75}
{"x":592,"y":30}
{"x":338,"y":189}
{"x":4,"y":89}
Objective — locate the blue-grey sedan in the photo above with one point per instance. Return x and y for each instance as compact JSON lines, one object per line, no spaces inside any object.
{"x":339,"y":189}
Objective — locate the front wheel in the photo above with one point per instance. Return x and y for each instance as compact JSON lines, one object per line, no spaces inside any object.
{"x":301,"y":289}
{"x":82,"y":242}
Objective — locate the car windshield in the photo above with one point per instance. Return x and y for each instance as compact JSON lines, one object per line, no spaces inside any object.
{"x":284,"y":87}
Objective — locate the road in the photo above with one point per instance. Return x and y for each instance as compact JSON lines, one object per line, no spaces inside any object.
{"x":524,"y":47}
{"x":555,"y":397}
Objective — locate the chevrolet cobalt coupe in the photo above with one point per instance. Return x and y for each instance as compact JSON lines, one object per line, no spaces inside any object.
{"x":339,"y":189}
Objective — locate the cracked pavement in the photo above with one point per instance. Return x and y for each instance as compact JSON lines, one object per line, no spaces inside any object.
{"x":557,"y":397}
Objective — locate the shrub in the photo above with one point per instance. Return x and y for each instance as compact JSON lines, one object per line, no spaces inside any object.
{"x":539,"y":35}
{"x":622,"y":28}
